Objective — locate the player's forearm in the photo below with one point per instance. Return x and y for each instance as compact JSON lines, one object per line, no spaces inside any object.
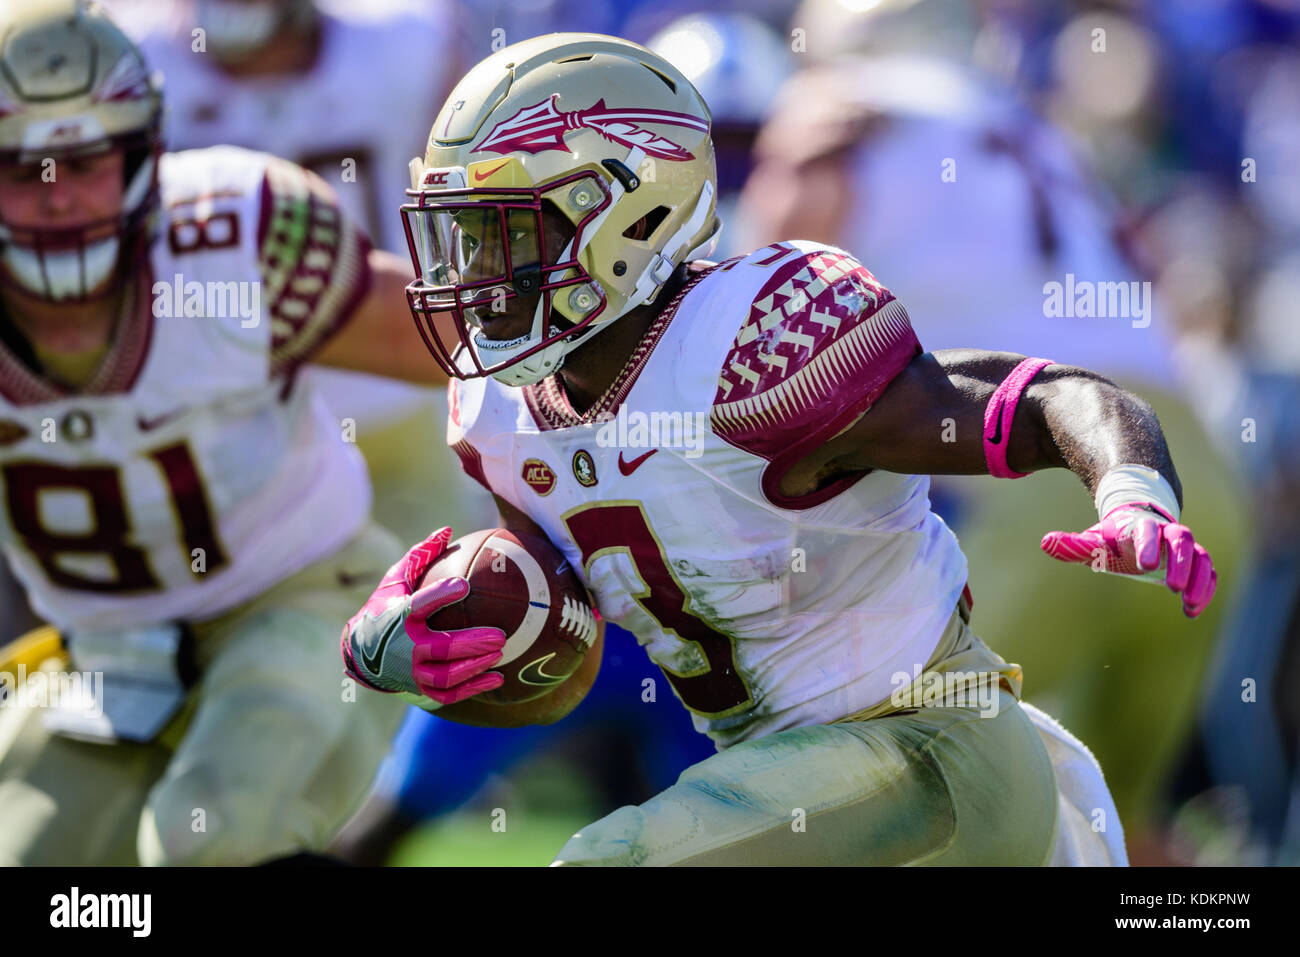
{"x":932,"y":421}
{"x":1089,"y":425}
{"x":380,"y":338}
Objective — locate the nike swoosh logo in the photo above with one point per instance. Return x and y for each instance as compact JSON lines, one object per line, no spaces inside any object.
{"x":148,"y":425}
{"x":627,"y":468}
{"x":480,"y":175}
{"x":996,"y":437}
{"x":374,"y":660}
{"x":532,"y":673}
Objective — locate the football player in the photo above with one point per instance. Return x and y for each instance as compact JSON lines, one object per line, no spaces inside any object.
{"x":264,"y":76}
{"x":271,"y":69}
{"x":178,"y":502}
{"x":759,"y":433}
{"x":739,"y":65}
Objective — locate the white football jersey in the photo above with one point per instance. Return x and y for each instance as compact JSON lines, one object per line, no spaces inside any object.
{"x":195,"y":469}
{"x":765,"y":612}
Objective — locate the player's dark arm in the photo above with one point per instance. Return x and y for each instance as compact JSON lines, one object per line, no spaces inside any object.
{"x":552,"y":706}
{"x":931,"y":421}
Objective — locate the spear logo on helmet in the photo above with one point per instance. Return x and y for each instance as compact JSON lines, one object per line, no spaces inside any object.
{"x":541,"y":127}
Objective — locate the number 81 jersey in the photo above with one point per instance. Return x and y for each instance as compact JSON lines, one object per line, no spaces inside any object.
{"x":189,"y":474}
{"x":765,"y":611}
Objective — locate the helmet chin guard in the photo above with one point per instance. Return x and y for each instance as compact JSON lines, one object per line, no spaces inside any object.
{"x":451,"y":283}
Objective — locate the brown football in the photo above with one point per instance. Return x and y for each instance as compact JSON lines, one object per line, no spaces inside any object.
{"x":521,"y":584}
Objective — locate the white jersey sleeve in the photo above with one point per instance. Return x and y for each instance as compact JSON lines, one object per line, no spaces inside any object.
{"x":355,"y":116}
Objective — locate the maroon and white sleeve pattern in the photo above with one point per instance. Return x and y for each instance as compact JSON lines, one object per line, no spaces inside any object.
{"x":313,"y":262}
{"x":822,"y":341}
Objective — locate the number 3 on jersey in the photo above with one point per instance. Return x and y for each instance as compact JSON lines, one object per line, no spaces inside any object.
{"x":27,"y":482}
{"x":603,"y":528}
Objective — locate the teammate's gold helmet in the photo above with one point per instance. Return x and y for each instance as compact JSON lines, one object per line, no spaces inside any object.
{"x":599,"y":130}
{"x":72,"y":84}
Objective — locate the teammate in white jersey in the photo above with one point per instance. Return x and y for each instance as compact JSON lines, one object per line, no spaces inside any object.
{"x":734,"y":457}
{"x":318,"y":83}
{"x":178,"y":502}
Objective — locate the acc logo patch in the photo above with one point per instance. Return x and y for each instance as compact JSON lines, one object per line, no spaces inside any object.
{"x":584,"y":469}
{"x":539,"y":475}
{"x":11,"y":432}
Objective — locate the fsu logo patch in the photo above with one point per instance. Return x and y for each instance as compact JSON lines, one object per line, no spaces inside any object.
{"x":584,"y":469}
{"x":539,"y":475}
{"x":78,"y":426}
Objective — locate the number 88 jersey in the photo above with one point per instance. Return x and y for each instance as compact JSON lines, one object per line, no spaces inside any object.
{"x":189,"y":474}
{"x":764,"y":611}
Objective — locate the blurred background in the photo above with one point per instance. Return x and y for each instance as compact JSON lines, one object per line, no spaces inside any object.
{"x":969,"y":152}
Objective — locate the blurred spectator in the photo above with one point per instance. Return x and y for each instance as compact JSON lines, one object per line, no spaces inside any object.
{"x":962,"y":202}
{"x":1197,"y":125}
{"x":496,"y":23}
{"x":347,"y":90}
{"x":738,"y":64}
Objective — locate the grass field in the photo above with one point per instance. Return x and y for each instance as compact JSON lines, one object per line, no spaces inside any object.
{"x":520,"y":820}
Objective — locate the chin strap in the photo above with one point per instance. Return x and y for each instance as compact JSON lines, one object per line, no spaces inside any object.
{"x":661,"y":267}
{"x":616,"y":189}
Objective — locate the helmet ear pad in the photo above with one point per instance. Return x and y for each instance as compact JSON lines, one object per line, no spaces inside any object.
{"x":614,"y":265}
{"x":557,"y":232}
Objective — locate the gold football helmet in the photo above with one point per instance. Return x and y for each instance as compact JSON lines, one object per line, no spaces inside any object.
{"x":597,"y":130}
{"x":73,"y":85}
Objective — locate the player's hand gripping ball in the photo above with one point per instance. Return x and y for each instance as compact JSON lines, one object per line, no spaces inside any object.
{"x":447,"y":613}
{"x":1144,"y":542}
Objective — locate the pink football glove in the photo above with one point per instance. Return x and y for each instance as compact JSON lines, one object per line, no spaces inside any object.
{"x":389,"y":646}
{"x":1144,"y":541}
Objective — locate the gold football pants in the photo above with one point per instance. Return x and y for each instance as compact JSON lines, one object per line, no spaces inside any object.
{"x":271,"y":754}
{"x":926,"y":784}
